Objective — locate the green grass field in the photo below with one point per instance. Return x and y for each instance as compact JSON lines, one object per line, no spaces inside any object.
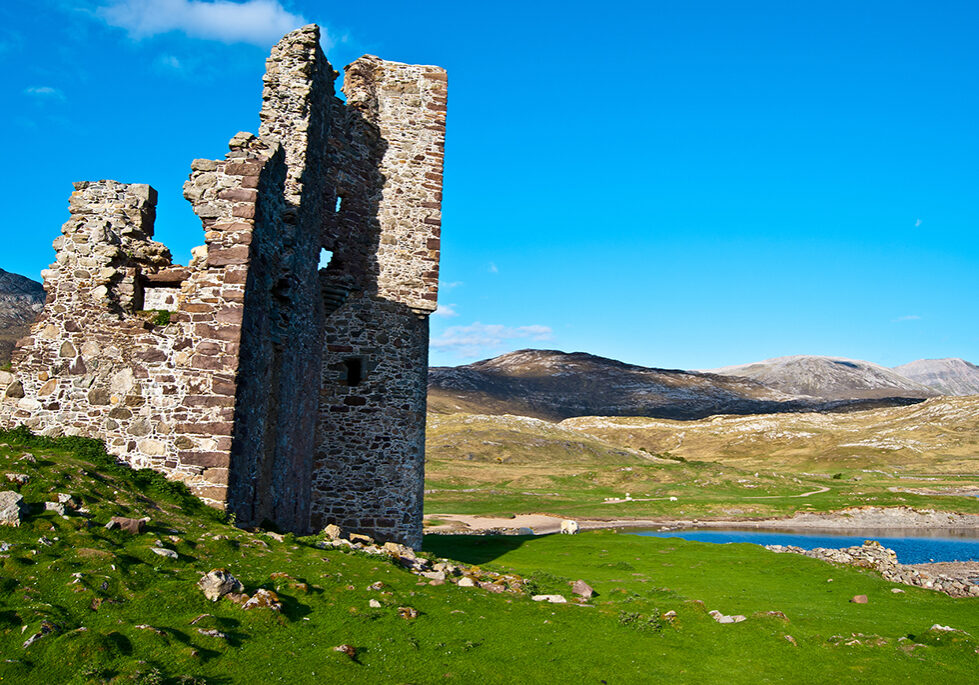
{"x":119,"y":613}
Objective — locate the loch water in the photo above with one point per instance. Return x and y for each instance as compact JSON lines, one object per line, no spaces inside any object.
{"x":913,"y":546}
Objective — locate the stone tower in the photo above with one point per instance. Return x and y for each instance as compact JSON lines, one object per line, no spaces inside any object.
{"x":288,"y":393}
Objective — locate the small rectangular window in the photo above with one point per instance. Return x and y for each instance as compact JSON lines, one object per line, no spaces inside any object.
{"x":355,"y":370}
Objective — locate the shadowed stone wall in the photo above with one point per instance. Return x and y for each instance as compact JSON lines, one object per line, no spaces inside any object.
{"x":288,"y":393}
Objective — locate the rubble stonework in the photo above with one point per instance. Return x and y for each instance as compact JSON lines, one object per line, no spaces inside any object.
{"x":286,"y":392}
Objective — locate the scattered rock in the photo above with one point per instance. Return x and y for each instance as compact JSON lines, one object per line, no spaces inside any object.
{"x":433,"y":575}
{"x":333,"y":532}
{"x":44,"y":541}
{"x":670,"y":615}
{"x":11,"y":508}
{"x":263,"y":599}
{"x":362,"y":539}
{"x":582,"y":589}
{"x":28,"y":458}
{"x":374,"y":604}
{"x":790,"y":640}
{"x":858,"y":599}
{"x":18,"y":478}
{"x":129,"y":525}
{"x":376,"y":586}
{"x":724,"y":618}
{"x":275,"y":536}
{"x":164,"y":552}
{"x":56,"y":507}
{"x":219,"y":582}
{"x":212,"y":633}
{"x":46,"y":629}
{"x":200,"y":618}
{"x":466,"y":581}
{"x":897,"y":591}
{"x":349,"y":650}
{"x":407,"y":613}
{"x":553,"y":599}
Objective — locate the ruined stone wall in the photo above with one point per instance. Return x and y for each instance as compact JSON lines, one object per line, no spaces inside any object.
{"x":369,"y":469}
{"x":288,"y":393}
{"x":160,"y":395}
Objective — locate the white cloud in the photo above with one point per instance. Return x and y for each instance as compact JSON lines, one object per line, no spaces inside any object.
{"x":449,"y":285}
{"x":917,"y":222}
{"x":446,"y":310}
{"x":909,"y":317}
{"x":479,"y":339}
{"x":493,"y":269}
{"x":45,"y":92}
{"x":261,"y":22}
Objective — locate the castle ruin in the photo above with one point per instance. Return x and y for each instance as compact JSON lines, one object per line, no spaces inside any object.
{"x":287,"y":393}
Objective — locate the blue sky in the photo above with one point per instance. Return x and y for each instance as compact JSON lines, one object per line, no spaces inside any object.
{"x":677,"y":184}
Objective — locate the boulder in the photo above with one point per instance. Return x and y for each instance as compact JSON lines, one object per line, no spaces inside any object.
{"x":11,"y":508}
{"x":219,"y":582}
{"x":466,"y":581}
{"x":724,"y":618}
{"x":582,"y":589}
{"x":553,"y":599}
{"x":18,"y":478}
{"x":858,"y":599}
{"x":56,"y":507}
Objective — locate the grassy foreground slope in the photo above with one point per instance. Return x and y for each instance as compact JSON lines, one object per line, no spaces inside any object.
{"x":106,"y":608}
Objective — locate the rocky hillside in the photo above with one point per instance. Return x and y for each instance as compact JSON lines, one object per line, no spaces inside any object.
{"x":554,"y":385}
{"x":947,"y":376}
{"x":21,"y":300}
{"x":829,"y":378}
{"x":940,"y":434}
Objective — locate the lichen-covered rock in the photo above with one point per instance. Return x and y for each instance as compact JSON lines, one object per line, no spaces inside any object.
{"x":263,"y":599}
{"x":219,"y":582}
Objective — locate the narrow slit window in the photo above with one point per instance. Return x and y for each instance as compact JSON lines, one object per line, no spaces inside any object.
{"x":355,"y":370}
{"x":325,"y":257}
{"x":339,"y":204}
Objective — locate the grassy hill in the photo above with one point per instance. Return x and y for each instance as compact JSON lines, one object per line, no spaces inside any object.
{"x":106,"y":608}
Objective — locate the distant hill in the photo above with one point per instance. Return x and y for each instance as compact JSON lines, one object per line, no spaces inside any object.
{"x":939,"y":434}
{"x":553,"y":385}
{"x":829,"y":378}
{"x":947,"y":376}
{"x":21,"y":300}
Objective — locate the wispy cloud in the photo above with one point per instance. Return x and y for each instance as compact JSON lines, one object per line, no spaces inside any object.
{"x":492,"y":268}
{"x":260,"y":22}
{"x":446,"y":310}
{"x":449,"y":285}
{"x":45,"y":92}
{"x":917,"y":222}
{"x":169,"y":62}
{"x":480,"y":339}
{"x":909,"y":317}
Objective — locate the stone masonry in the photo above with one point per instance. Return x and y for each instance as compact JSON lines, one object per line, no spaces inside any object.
{"x":290,"y":394}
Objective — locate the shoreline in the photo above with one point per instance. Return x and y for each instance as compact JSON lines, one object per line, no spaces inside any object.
{"x":855,"y":518}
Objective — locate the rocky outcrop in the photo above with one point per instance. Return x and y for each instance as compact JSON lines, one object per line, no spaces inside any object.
{"x":875,"y":556}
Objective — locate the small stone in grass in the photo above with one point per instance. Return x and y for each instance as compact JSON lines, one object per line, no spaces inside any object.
{"x":164,"y":552}
{"x":346,"y":649}
{"x":858,"y":599}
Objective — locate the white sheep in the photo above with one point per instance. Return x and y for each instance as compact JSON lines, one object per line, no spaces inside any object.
{"x":569,"y":527}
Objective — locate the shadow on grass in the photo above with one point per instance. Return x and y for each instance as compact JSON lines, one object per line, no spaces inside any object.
{"x":474,"y":549}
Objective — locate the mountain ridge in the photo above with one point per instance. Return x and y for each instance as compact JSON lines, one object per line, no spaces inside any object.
{"x":556,"y":385}
{"x":950,"y":376}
